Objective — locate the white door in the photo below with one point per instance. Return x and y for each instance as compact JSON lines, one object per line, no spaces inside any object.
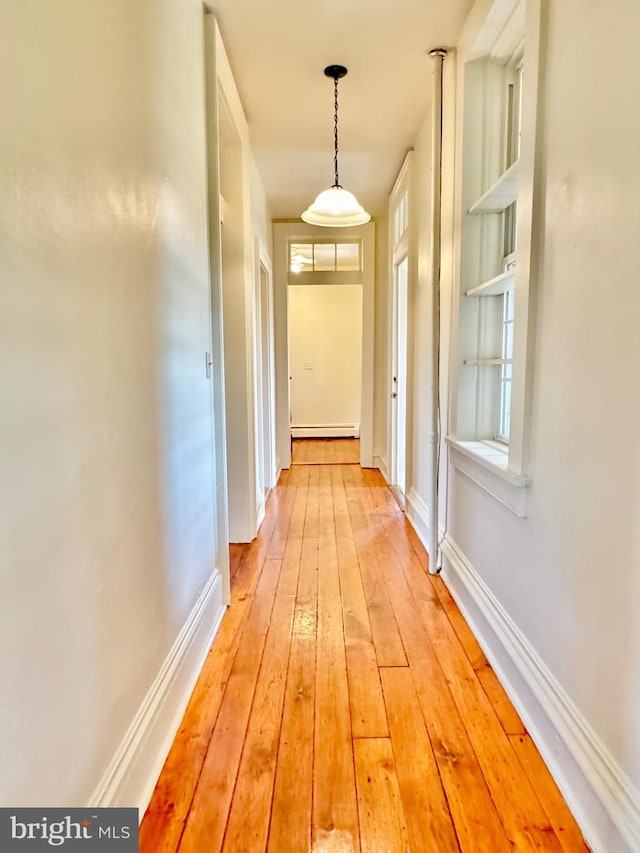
{"x":325,"y":359}
{"x":399,"y":379}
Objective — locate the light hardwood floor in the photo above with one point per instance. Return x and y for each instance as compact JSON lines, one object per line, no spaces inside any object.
{"x":345,"y":704}
{"x":325,"y":451}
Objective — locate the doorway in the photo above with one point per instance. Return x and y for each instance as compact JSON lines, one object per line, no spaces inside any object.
{"x":324,"y":313}
{"x":233,"y":286}
{"x":325,"y":360}
{"x":265,"y":381}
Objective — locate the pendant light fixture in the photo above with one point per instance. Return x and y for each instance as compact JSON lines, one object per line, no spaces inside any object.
{"x":336,"y":207}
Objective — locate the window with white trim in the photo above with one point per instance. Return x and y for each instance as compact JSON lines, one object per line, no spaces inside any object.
{"x":495,"y":262}
{"x":325,"y":256}
{"x":492,"y":386}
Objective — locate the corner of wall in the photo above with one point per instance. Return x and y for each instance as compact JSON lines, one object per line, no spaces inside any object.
{"x":417,"y":512}
{"x":380,"y":462}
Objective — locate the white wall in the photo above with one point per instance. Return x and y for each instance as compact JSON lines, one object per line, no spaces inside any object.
{"x":565,"y":581}
{"x":325,"y":354}
{"x":107,"y":534}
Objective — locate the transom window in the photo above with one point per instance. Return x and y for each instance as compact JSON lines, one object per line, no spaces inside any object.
{"x":324,"y":257}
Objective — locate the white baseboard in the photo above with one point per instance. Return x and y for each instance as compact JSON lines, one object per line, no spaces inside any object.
{"x":601,"y":796}
{"x":261,"y":507}
{"x":325,"y":430}
{"x":132,"y":774}
{"x":418,"y":514}
{"x":380,"y":462}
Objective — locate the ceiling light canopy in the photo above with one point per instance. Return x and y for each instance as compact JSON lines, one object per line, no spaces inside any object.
{"x":335,"y":207}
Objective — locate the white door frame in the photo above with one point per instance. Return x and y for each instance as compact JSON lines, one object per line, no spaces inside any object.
{"x":265,"y":373}
{"x":400,"y":249}
{"x":228,"y":131}
{"x":286,"y":233}
{"x":216,"y":363}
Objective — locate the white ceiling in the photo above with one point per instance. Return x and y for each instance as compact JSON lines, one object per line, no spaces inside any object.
{"x":278,"y":50}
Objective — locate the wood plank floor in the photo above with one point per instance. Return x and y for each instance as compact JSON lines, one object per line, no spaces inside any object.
{"x":345,"y":704}
{"x":325,"y":451}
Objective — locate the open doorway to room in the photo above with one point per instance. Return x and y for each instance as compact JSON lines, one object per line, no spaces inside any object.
{"x":324,"y":335}
{"x":325,"y":352}
{"x":265,"y":381}
{"x":239,"y":343}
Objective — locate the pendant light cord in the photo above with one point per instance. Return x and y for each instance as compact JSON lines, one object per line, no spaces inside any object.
{"x":335,"y":130}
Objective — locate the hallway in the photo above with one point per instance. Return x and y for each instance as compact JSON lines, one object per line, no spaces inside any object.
{"x":306,"y":730}
{"x":325,"y":451}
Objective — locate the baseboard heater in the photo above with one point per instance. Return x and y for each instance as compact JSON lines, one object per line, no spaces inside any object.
{"x":325,"y":430}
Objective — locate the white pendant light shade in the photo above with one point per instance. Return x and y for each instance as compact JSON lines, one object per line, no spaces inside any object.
{"x":336,"y":208}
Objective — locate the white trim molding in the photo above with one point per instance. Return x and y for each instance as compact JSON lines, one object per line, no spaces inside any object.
{"x":417,"y":512}
{"x":325,"y":430}
{"x":380,"y":462}
{"x":261,"y":504}
{"x":132,"y":774}
{"x":487,"y":467}
{"x":603,"y":799}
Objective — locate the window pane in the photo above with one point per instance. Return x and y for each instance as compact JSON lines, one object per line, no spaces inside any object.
{"x":301,"y":257}
{"x":504,"y":415}
{"x":520,"y":76}
{"x":509,"y":229}
{"x":324,"y":256}
{"x":508,"y":307}
{"x":507,"y":341}
{"x":505,"y":409}
{"x":348,"y":256}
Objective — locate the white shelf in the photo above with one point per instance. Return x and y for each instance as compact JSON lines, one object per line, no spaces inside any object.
{"x":483,"y":362}
{"x":501,"y":194}
{"x":503,"y":283}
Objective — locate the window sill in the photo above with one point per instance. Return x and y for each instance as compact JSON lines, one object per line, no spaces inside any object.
{"x":486,"y":463}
